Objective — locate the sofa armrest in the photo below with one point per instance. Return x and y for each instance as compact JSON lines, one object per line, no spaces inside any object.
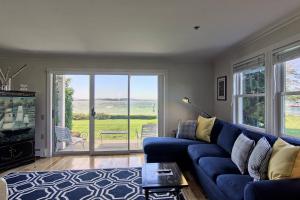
{"x":273,"y":189}
{"x":3,"y":189}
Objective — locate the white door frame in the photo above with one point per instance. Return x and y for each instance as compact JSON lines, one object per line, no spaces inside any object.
{"x":162,"y":88}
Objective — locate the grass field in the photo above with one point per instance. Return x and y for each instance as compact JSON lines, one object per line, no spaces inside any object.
{"x":292,"y":125}
{"x":111,"y":124}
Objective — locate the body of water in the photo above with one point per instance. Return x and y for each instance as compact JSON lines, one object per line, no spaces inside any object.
{"x":117,"y":107}
{"x":292,"y":108}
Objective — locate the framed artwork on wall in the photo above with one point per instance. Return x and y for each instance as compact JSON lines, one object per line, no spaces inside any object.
{"x":222,"y":88}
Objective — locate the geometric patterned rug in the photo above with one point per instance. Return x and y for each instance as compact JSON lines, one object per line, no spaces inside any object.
{"x":91,"y":184}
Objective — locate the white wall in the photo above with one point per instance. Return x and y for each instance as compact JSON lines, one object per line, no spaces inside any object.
{"x":223,"y":63}
{"x":193,"y":80}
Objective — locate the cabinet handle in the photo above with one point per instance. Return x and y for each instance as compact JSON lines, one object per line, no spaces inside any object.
{"x":11,"y":152}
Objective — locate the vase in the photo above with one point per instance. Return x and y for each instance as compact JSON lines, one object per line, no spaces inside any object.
{"x":6,"y":85}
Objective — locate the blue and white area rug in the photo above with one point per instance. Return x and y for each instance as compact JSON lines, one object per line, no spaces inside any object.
{"x":100,"y":184}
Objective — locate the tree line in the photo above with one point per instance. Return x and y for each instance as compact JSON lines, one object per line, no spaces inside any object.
{"x":104,"y":116}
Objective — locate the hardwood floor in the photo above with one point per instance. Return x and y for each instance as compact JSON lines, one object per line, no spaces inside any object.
{"x":104,"y":145}
{"x":193,"y":192}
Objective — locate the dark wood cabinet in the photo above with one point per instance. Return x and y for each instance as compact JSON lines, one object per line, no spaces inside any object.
{"x":17,"y":128}
{"x":5,"y":155}
{"x":16,"y":154}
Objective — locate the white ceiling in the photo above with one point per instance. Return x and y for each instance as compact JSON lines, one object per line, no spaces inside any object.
{"x":134,"y":27}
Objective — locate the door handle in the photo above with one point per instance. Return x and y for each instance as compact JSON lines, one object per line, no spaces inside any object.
{"x":93,"y":113}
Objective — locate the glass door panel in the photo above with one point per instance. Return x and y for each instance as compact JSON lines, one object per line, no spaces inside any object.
{"x":114,"y":98}
{"x":143,"y":109}
{"x":71,"y":113}
{"x":111,"y":113}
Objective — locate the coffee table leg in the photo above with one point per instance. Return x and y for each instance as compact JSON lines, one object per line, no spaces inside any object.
{"x":146,"y":194}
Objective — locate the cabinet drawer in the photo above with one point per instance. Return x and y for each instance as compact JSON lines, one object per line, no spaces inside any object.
{"x":23,"y":150}
{"x":5,"y":155}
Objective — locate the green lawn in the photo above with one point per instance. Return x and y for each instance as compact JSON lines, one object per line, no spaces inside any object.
{"x":292,"y":124}
{"x":111,"y":124}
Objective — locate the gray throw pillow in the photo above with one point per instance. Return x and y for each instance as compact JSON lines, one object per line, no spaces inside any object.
{"x":241,"y":151}
{"x":187,"y":130}
{"x":259,"y":160}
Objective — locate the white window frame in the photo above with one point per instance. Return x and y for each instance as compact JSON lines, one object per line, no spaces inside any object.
{"x":238,"y":95}
{"x":273,"y":85}
{"x":280,"y":68}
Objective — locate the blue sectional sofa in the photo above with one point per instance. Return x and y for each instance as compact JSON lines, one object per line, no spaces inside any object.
{"x":212,"y":166}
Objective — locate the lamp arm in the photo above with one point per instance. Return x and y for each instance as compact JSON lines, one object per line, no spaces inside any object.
{"x":201,"y":111}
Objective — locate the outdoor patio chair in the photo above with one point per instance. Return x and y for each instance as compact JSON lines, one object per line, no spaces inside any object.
{"x":63,"y":134}
{"x":148,"y":130}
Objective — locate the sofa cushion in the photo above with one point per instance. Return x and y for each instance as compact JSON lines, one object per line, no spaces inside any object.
{"x":215,"y":131}
{"x":292,"y":140}
{"x":215,"y":166}
{"x":167,"y":145}
{"x":187,"y":130}
{"x":204,"y":128}
{"x":233,"y":185}
{"x":241,"y":151}
{"x":227,"y":136}
{"x":197,"y":151}
{"x":283,"y":160}
{"x":256,"y":136}
{"x":259,"y":159}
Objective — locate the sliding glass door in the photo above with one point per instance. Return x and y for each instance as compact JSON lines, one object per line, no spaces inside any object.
{"x":71,"y":113}
{"x":143,"y":109}
{"x":99,"y":113}
{"x":111,"y":113}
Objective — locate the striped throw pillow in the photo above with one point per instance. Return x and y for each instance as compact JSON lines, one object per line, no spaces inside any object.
{"x":259,"y":160}
{"x":241,"y":151}
{"x":187,"y":130}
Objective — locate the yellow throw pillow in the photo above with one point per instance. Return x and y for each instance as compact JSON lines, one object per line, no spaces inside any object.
{"x":296,"y":169}
{"x":204,"y":128}
{"x":285,"y":161}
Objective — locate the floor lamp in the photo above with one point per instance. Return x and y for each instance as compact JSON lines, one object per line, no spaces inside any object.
{"x":187,"y":100}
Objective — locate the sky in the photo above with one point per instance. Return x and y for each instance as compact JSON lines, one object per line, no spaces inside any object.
{"x":295,"y":63}
{"x":115,"y":86}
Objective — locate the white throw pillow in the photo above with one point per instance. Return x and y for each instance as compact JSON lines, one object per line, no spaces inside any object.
{"x":241,"y":151}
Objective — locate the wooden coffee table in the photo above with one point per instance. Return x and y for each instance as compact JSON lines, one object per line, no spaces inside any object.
{"x":162,"y":178}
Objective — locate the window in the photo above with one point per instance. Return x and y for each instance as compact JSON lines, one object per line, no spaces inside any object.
{"x":288,"y":68}
{"x":249,"y":92}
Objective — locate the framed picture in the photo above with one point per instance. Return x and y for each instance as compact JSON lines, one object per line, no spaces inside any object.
{"x":222,"y":88}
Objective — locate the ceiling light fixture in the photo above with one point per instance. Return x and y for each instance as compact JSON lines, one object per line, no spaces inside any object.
{"x":196,"y":27}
